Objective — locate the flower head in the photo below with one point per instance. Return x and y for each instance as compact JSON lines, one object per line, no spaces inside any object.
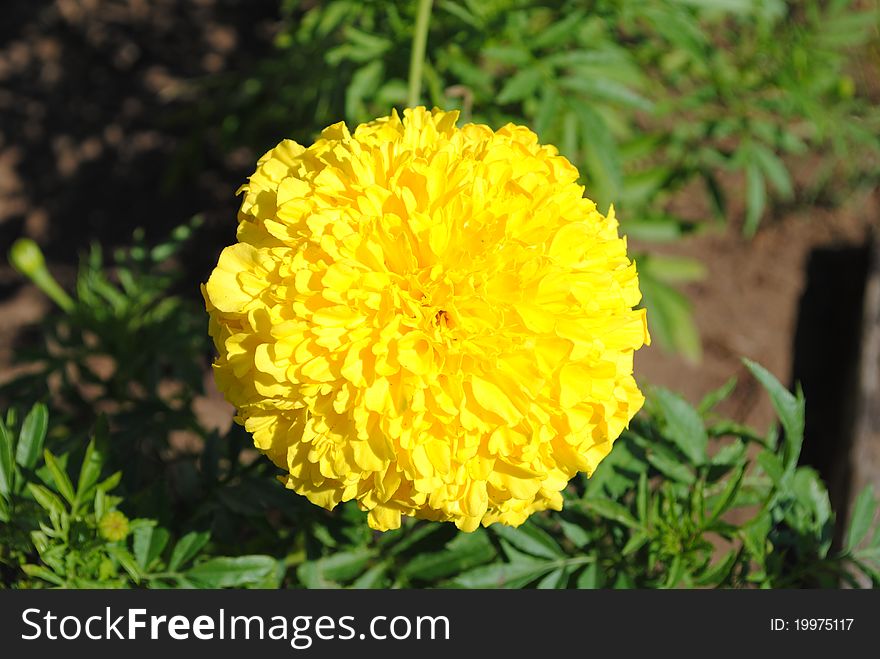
{"x":430,"y":320}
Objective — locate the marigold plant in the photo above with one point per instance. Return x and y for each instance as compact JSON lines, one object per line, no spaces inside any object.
{"x":431,"y":320}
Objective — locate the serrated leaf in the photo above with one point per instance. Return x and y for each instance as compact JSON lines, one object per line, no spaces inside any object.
{"x":530,"y":539}
{"x":789,"y":408}
{"x":237,"y":572}
{"x":187,"y":548}
{"x":32,"y":436}
{"x":683,"y":426}
{"x":862,"y":516}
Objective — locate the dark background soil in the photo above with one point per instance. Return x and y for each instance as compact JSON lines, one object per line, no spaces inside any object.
{"x":96,"y":103}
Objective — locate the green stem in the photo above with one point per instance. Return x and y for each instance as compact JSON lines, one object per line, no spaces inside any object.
{"x":417,"y":56}
{"x":26,"y":257}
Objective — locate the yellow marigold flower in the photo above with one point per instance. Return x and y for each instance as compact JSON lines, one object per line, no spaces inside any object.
{"x":431,"y":320}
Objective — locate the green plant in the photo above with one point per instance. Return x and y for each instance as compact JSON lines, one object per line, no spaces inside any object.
{"x":62,"y":527}
{"x":671,"y":506}
{"x":685,"y":499}
{"x":647,"y":99}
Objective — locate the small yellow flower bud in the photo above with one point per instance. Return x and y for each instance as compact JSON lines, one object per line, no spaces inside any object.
{"x":113,"y":526}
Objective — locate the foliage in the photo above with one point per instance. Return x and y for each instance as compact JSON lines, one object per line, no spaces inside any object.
{"x":685,"y":499}
{"x":646,"y":98}
{"x":71,"y":529}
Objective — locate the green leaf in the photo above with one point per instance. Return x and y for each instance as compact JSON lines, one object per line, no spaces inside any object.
{"x":789,"y":408}
{"x":503,"y":575}
{"x":720,"y":394}
{"x":605,"y":90}
{"x":642,"y":498}
{"x":601,"y":154}
{"x":372,"y":578}
{"x":89,"y":472}
{"x":660,"y":229}
{"x":611,"y":510}
{"x":559,"y":31}
{"x":365,"y":80}
{"x":756,"y":197}
{"x":520,"y":86}
{"x":149,"y":542}
{"x":635,"y":542}
{"x":330,"y":570}
{"x":862,"y":516}
{"x":7,"y":462}
{"x":187,"y":548}
{"x":127,"y":562}
{"x":509,"y":55}
{"x":46,"y":498}
{"x":669,"y":318}
{"x":774,"y":169}
{"x":579,"y":537}
{"x":464,"y":551}
{"x":773,"y":467}
{"x":238,"y":572}
{"x":683,"y":426}
{"x":754,"y":535}
{"x":32,"y":436}
{"x":591,"y":577}
{"x":670,"y":466}
{"x":554,"y":580}
{"x":4,"y":510}
{"x":40,"y":572}
{"x":672,"y":269}
{"x":733,"y":6}
{"x":727,"y":496}
{"x":530,"y":539}
{"x":717,"y":573}
{"x":59,"y":477}
{"x":730,"y":454}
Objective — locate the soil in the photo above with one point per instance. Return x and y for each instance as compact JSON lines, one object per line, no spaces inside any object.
{"x":87,"y":90}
